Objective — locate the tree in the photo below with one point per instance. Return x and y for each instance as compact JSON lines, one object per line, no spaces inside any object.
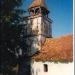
{"x":11,"y":33}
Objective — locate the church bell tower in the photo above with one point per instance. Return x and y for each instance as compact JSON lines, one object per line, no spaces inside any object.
{"x":39,"y":25}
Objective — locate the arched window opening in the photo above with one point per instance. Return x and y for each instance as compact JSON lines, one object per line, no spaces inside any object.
{"x":37,"y":11}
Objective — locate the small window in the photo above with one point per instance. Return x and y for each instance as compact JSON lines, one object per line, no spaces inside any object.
{"x":45,"y":68}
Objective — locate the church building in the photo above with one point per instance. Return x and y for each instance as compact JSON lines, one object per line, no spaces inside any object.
{"x":50,"y":56}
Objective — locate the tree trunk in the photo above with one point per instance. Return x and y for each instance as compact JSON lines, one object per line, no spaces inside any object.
{"x":24,"y":66}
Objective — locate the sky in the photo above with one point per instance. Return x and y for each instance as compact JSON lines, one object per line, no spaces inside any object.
{"x":61,"y":13}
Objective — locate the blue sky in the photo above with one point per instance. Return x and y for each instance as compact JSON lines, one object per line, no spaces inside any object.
{"x":61,"y":12}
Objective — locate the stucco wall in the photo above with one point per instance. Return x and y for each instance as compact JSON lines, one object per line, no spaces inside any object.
{"x":53,"y":68}
{"x":36,"y":24}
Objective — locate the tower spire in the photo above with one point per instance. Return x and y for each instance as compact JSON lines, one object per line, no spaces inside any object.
{"x":38,"y":7}
{"x":37,"y":3}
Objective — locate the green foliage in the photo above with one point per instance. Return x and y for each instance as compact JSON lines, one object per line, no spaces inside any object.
{"x":11,"y":24}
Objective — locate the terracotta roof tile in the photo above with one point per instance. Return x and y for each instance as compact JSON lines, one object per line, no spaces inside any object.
{"x":56,"y":49}
{"x":38,"y":3}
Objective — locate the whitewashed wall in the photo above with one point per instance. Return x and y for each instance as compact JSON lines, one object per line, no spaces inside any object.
{"x":37,"y":23}
{"x":53,"y":68}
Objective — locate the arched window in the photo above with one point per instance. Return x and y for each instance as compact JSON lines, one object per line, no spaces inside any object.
{"x":37,"y":11}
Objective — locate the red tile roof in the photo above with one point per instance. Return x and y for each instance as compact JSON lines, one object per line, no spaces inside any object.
{"x":37,"y":3}
{"x":56,"y":49}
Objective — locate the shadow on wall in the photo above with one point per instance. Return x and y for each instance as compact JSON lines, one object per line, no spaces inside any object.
{"x":25,"y":66}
